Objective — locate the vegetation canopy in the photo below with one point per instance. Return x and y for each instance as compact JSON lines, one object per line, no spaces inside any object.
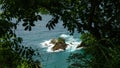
{"x":97,"y":20}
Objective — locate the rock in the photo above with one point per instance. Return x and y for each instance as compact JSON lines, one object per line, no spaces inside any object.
{"x":80,"y":45}
{"x":53,"y":41}
{"x":59,"y":45}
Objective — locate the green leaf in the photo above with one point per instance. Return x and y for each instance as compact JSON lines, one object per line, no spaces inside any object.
{"x":25,"y":23}
{"x":26,"y":28}
{"x":30,"y":28}
{"x":32,"y":24}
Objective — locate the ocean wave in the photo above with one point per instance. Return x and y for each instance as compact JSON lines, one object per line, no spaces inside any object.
{"x":71,"y":42}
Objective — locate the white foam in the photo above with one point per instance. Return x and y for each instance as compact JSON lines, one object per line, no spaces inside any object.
{"x":72,"y":44}
{"x":70,"y":40}
{"x":64,"y":36}
{"x":46,"y":43}
{"x":50,"y":50}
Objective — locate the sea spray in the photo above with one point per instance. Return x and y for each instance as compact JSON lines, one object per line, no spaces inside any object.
{"x":70,"y":40}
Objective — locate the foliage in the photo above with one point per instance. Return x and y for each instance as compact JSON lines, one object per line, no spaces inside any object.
{"x":96,"y":54}
{"x":26,"y":10}
{"x":12,"y":53}
{"x":101,"y":18}
{"x":79,"y":60}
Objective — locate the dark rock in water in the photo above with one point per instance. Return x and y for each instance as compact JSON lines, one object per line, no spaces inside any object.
{"x":59,"y":45}
{"x":80,"y":45}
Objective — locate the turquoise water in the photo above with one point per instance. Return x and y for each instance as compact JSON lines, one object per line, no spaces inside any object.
{"x":40,"y":35}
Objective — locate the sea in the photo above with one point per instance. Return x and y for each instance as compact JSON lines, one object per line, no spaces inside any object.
{"x":39,"y":39}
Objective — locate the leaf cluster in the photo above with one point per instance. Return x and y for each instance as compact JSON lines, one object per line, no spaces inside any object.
{"x":97,"y":53}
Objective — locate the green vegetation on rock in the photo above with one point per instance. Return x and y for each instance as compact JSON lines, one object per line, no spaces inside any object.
{"x":62,"y":40}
